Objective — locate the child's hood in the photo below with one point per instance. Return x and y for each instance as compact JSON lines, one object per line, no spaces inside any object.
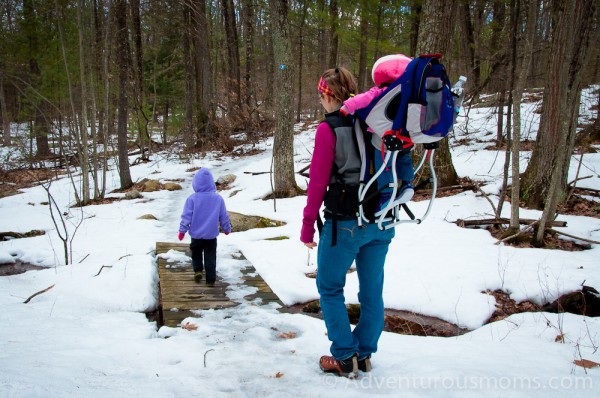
{"x":204,"y":181}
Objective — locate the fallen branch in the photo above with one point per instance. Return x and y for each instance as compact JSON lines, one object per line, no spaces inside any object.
{"x":255,"y":173}
{"x":101,"y":268}
{"x":574,"y":237}
{"x":522,"y":231}
{"x":496,"y":221}
{"x":205,"y":356}
{"x":469,"y":187}
{"x":578,"y":179}
{"x":37,"y":294}
{"x":587,"y":189}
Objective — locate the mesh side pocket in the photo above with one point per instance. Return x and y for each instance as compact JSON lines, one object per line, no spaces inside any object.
{"x":433,"y":87}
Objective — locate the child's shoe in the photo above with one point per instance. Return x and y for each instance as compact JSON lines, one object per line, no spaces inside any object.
{"x":346,"y":368}
{"x":405,"y":193}
{"x":197,"y":277}
{"x":364,"y":365}
{"x":210,"y":284}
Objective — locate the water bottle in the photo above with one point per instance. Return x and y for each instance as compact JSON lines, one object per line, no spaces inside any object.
{"x":459,"y":92}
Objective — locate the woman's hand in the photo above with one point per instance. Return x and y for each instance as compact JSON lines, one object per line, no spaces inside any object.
{"x":310,"y":245}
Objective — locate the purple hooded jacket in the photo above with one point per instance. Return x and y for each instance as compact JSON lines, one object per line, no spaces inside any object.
{"x":204,"y":210}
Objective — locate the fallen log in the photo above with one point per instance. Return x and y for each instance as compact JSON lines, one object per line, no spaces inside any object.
{"x":498,"y":221}
{"x":18,"y":235}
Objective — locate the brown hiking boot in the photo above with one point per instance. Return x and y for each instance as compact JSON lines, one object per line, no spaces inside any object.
{"x":364,"y":365}
{"x":347,"y":367}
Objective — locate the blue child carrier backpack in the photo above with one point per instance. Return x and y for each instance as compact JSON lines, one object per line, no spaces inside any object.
{"x":417,"y":108}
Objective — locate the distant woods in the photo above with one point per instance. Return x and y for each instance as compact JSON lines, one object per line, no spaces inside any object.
{"x":118,"y":73}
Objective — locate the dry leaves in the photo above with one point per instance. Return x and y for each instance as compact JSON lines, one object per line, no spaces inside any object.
{"x":560,"y":338}
{"x":288,"y":335}
{"x":586,"y":363}
{"x":189,"y":326}
{"x":278,"y":375}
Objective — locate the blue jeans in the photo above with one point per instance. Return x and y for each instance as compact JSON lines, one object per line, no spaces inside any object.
{"x":368,"y":246}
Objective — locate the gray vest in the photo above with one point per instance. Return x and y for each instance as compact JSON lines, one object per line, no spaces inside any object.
{"x":347,"y":161}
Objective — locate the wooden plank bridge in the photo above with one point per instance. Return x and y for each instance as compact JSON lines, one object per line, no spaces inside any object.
{"x":180,"y":295}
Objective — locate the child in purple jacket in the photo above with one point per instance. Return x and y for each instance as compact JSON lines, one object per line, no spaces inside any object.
{"x":203,"y":212}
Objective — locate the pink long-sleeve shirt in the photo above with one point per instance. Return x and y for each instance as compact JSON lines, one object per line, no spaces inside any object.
{"x":320,"y":173}
{"x":361,"y":100}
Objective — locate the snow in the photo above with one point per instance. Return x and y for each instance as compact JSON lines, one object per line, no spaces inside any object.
{"x":88,"y":334}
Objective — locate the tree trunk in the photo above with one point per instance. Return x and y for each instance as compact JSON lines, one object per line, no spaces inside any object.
{"x":554,"y":143}
{"x":415,"y":20}
{"x":122,"y":58}
{"x":233,"y":61}
{"x":283,"y":146}
{"x":364,"y":32}
{"x":334,"y":36}
{"x":138,"y":69}
{"x":204,"y":77}
{"x":83,"y":117}
{"x":322,"y":36}
{"x":544,"y":181}
{"x":188,"y":127}
{"x":519,"y":86}
{"x":301,"y":59}
{"x":249,"y":21}
{"x":435,"y":36}
{"x":6,"y":140}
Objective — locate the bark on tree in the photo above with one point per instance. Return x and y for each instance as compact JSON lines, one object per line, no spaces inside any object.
{"x":188,"y":128}
{"x":436,"y":28}
{"x":283,"y":146}
{"x":362,"y":60}
{"x":301,"y":59}
{"x":204,"y":77}
{"x":122,"y":58}
{"x":233,"y":61}
{"x":334,"y":36}
{"x":6,"y":140}
{"x":41,"y":124}
{"x":248,"y":18}
{"x":518,"y":88}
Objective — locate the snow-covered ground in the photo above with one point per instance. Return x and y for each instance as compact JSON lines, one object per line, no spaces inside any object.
{"x":88,"y":335}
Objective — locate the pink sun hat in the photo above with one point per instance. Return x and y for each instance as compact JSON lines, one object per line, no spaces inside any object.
{"x":388,"y":68}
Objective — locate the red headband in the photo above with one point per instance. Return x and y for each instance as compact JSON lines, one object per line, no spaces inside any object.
{"x":324,"y":89}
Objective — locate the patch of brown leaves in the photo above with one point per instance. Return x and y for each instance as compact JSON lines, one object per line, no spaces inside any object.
{"x":505,"y":306}
{"x":578,"y":206}
{"x":14,"y":180}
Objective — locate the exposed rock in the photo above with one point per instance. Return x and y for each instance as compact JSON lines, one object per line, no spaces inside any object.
{"x":172,"y":186}
{"x":151,"y":186}
{"x":135,"y":194}
{"x":242,"y":222}
{"x":226,"y":179}
{"x":147,"y":217}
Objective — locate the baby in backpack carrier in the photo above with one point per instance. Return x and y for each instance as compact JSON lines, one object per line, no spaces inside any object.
{"x":385,"y":71}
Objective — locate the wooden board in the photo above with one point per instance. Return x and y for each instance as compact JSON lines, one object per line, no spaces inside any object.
{"x":180,"y":296}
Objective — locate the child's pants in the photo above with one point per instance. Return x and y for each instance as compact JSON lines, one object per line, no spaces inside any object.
{"x":204,"y":256}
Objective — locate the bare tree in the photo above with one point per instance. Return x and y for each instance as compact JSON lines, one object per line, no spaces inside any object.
{"x":123,"y":111}
{"x":544,"y":181}
{"x":4,"y":113}
{"x":334,"y":36}
{"x":517,"y":92}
